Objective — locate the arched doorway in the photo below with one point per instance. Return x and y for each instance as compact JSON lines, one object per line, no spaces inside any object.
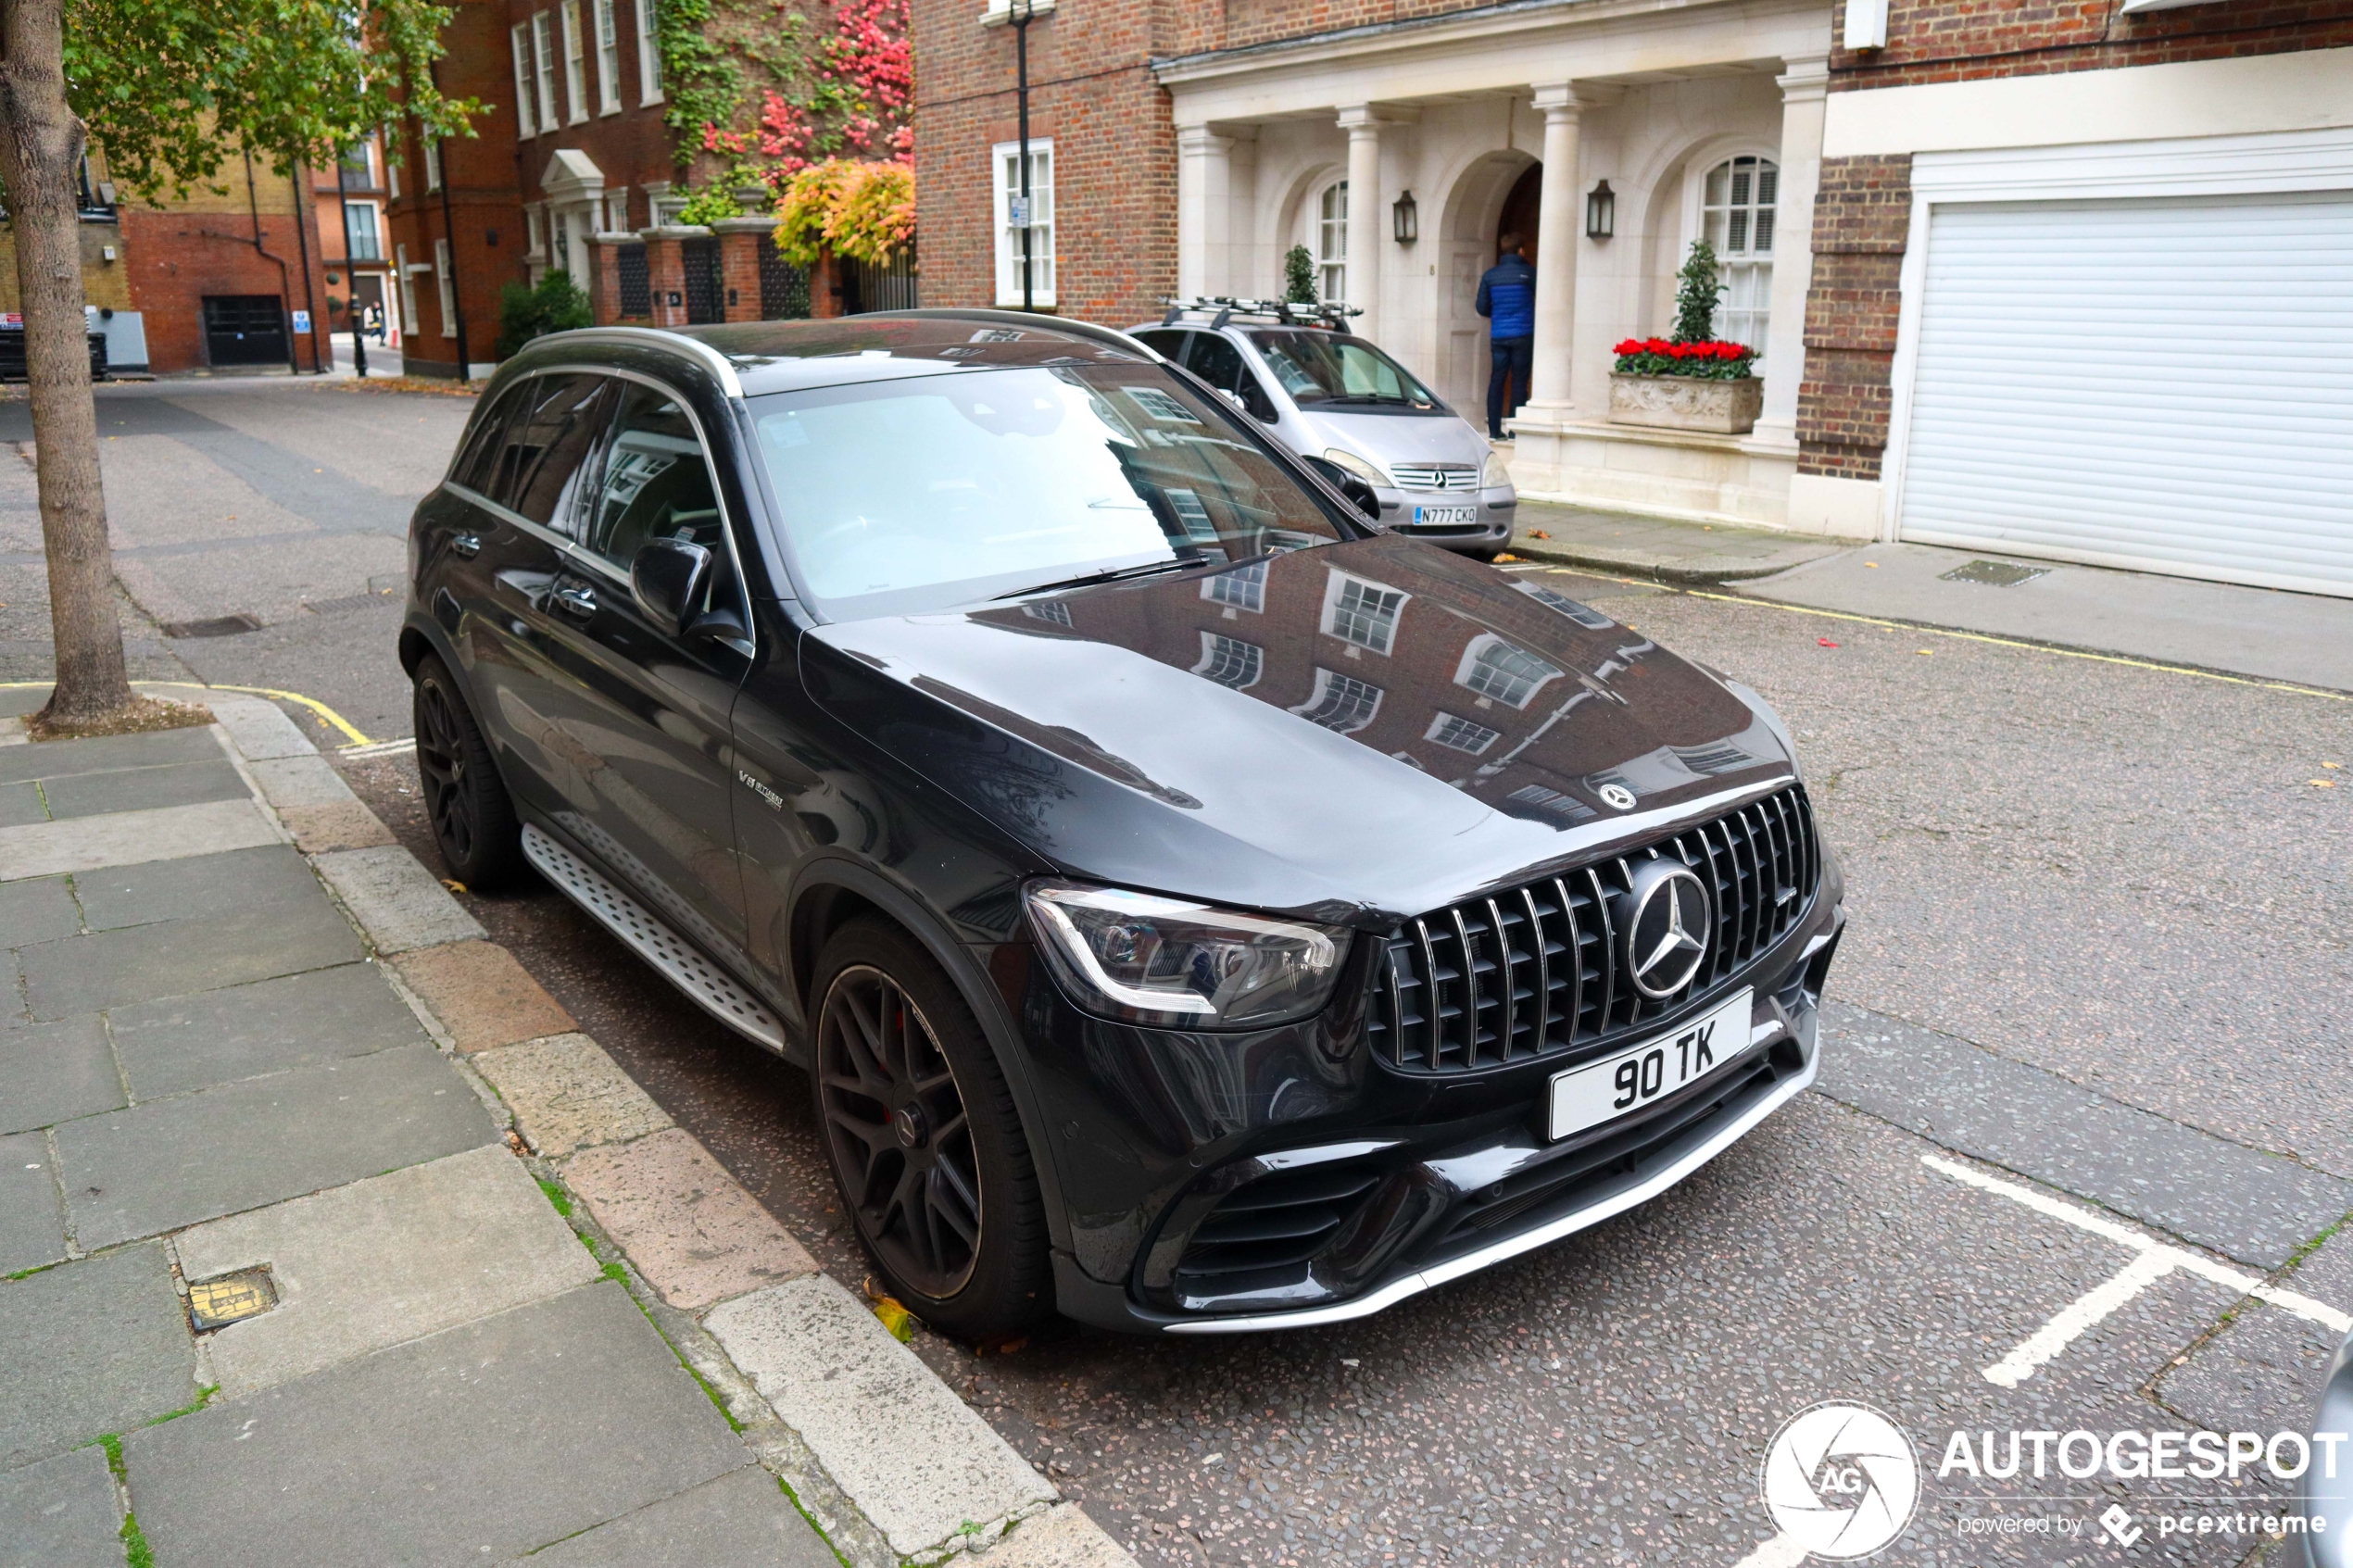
{"x":1520,"y":210}
{"x":1474,"y":216}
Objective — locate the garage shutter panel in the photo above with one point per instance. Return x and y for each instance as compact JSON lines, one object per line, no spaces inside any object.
{"x":2161,"y":384}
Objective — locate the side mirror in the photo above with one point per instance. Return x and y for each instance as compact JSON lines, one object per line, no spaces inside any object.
{"x":667,"y":578}
{"x":1360,"y":494}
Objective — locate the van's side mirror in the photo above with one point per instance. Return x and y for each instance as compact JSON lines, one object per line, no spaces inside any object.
{"x":667,"y":578}
{"x":1348,"y":484}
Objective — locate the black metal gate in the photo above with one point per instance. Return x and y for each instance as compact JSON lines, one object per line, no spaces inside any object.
{"x":783,"y":288}
{"x":244,"y":328}
{"x":636,"y":282}
{"x":701,"y":259}
{"x":879,"y":288}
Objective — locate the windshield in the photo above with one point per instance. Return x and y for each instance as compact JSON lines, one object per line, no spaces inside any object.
{"x":1342,"y":372}
{"x":901,"y":497}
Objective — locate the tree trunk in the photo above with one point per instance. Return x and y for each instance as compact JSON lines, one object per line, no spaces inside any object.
{"x":40,"y":146}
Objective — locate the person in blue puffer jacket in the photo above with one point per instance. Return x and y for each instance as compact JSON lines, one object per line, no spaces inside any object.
{"x":1507,"y":299}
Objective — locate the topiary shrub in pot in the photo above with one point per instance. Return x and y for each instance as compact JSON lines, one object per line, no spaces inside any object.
{"x":1692,"y":381}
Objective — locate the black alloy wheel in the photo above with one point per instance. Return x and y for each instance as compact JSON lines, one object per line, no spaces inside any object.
{"x":466,"y":802}
{"x":900,"y":1138}
{"x":924,"y":1139}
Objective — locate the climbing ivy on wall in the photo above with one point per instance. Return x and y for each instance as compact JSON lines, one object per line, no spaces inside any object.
{"x":701,"y":84}
{"x":848,"y":95}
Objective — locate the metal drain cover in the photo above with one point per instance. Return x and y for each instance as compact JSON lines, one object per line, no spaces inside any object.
{"x":217,"y":1303}
{"x":1993,"y":573}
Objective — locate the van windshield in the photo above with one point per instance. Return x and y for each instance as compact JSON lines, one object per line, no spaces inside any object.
{"x":1325,"y":370}
{"x":902,"y":496}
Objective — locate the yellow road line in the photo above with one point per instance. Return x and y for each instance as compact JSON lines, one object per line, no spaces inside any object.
{"x":1961,"y":636}
{"x":327,"y":715}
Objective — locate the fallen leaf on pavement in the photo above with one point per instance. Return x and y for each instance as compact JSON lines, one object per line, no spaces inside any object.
{"x":895,"y":1318}
{"x":2324,"y":764}
{"x":1924,"y":652}
{"x":1825,"y":642}
{"x":1506,"y":559}
{"x":453,"y":886}
{"x":2322,"y":783}
{"x":1538,"y":533}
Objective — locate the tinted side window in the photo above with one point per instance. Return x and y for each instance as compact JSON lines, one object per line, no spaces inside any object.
{"x":547,"y":442}
{"x":1218,"y":362}
{"x":1169,"y":342}
{"x":653,"y":481}
{"x":476,"y":468}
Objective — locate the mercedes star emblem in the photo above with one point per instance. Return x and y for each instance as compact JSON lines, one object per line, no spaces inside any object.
{"x":1665,"y":917}
{"x":1617,"y":795}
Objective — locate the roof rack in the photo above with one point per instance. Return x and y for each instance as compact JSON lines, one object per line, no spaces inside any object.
{"x":1290,"y":313}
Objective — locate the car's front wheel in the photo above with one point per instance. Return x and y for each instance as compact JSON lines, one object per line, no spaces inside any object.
{"x":473,"y":820}
{"x":924,"y":1140}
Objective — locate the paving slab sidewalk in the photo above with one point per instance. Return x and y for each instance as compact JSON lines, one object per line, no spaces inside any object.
{"x":1660,"y":549}
{"x":496,"y":1304}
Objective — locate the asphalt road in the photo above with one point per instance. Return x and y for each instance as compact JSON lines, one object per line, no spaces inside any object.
{"x":2099,"y":956}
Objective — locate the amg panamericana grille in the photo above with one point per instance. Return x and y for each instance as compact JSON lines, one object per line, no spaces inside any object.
{"x":1536,"y":970}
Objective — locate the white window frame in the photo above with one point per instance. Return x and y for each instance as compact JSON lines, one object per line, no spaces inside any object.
{"x":1242,"y":588}
{"x":542,"y":59}
{"x":607,"y":59}
{"x":575,"y":66}
{"x":1325,"y":681}
{"x":391,"y":175}
{"x":1371,"y":622}
{"x":526,"y":121}
{"x":375,"y":230}
{"x":1224,"y":656}
{"x":648,"y":54}
{"x":1004,"y":180}
{"x":1439,"y":726}
{"x":1747,"y":273}
{"x":614,"y":215}
{"x":1327,"y":239}
{"x":1472,"y":663}
{"x":444,"y":288}
{"x":432,"y":164}
{"x":407,"y":301}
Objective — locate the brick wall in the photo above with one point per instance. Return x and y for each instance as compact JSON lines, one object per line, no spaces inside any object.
{"x":1862,"y":215}
{"x":1966,"y":40}
{"x":1114,"y":155}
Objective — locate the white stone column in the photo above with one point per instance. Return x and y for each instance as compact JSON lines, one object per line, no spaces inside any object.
{"x":1202,"y":184}
{"x":1365,"y":239}
{"x":1803,"y":85}
{"x":1560,"y":209}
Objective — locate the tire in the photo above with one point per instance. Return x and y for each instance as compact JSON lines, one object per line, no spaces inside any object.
{"x":466,"y":803}
{"x":926,"y":1146}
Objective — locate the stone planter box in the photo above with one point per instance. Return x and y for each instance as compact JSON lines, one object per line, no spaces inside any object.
{"x":1717,"y":408}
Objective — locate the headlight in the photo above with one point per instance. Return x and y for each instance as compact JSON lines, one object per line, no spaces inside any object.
{"x":1497,"y":474}
{"x":1359,"y":467}
{"x":1161,"y":961}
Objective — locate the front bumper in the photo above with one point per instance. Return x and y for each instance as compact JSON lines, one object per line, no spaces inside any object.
{"x":1495,"y":513}
{"x":1433,"y":1178}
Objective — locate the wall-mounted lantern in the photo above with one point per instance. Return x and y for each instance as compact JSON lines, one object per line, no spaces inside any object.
{"x":1405,"y":218}
{"x":1600,"y":212}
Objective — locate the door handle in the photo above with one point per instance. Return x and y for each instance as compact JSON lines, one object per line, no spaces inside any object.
{"x":575,"y":600}
{"x":465,"y":547}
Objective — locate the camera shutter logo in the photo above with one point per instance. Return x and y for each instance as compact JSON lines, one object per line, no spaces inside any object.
{"x":1840,"y":1481}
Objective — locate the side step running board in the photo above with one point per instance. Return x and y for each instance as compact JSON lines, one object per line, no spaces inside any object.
{"x":675,"y":959}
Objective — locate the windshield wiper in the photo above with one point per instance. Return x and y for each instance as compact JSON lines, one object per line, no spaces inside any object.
{"x":1373,"y":398}
{"x":1148,"y":568}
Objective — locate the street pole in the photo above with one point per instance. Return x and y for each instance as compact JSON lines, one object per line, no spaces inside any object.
{"x":351,"y":279}
{"x":1021,"y":20}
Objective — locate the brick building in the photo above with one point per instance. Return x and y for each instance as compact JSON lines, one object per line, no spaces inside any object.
{"x":1187,"y":150}
{"x":349,"y":201}
{"x":226,"y":276}
{"x":2084,"y":285}
{"x":575,"y":168}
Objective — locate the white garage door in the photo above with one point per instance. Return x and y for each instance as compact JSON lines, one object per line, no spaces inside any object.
{"x":2159,"y":385}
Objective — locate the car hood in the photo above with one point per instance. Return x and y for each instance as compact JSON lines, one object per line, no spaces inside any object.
{"x":1358,"y":732}
{"x":1400,"y":438}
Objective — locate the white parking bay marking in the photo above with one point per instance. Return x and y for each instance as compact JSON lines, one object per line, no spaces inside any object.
{"x":1781,"y":1551}
{"x":2155,"y":1260}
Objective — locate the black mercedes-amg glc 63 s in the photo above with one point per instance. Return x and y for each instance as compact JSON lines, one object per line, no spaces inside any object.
{"x":1198,"y":911}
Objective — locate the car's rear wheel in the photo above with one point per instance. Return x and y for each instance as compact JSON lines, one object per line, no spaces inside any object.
{"x":925,"y":1143}
{"x":473,"y":820}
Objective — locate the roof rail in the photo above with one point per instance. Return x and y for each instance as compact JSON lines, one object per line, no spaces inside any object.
{"x":1290,"y":313}
{"x":1063,"y":324}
